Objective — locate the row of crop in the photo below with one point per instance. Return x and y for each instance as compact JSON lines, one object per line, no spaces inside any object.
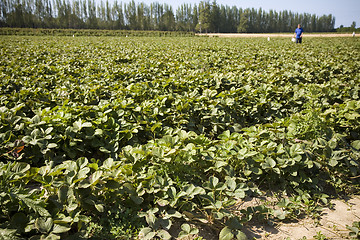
{"x":301,"y":154}
{"x":104,"y":139}
{"x":102,"y":130}
{"x":84,"y":84}
{"x":208,"y":106}
{"x":159,"y":183}
{"x":64,"y":133}
{"x":150,"y":96}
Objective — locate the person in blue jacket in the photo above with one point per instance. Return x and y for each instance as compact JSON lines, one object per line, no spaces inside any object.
{"x":298,"y":34}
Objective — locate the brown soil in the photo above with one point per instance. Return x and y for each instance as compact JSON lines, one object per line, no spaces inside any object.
{"x":332,"y":224}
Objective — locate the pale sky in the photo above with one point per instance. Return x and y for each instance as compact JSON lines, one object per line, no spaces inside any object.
{"x":345,"y":11}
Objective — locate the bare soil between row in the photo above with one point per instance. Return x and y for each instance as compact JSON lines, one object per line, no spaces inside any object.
{"x":330,"y":225}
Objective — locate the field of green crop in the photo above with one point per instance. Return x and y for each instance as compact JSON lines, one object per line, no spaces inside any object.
{"x":126,"y":138}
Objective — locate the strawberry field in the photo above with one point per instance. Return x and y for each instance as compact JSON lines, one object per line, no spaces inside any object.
{"x":143,"y":138}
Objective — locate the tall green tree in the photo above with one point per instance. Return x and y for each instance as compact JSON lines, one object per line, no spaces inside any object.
{"x":92,"y":21}
{"x":353,"y":25}
{"x":204,"y":17}
{"x":244,"y":22}
{"x":118,"y":15}
{"x":214,"y":25}
{"x":184,"y":18}
{"x":195,"y":18}
{"x":130,"y":15}
{"x":105,"y":14}
{"x":167,"y":22}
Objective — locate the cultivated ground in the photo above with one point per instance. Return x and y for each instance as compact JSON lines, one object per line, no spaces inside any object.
{"x":124,"y":135}
{"x":332,"y":224}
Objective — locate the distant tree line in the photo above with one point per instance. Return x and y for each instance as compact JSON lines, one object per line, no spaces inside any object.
{"x":352,"y":28}
{"x":203,"y":17}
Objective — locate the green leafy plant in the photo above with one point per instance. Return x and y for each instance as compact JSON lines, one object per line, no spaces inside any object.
{"x":354,"y":230}
{"x":122,"y":138}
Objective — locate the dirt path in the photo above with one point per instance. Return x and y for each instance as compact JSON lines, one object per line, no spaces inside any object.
{"x":288,"y":35}
{"x":332,"y":224}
